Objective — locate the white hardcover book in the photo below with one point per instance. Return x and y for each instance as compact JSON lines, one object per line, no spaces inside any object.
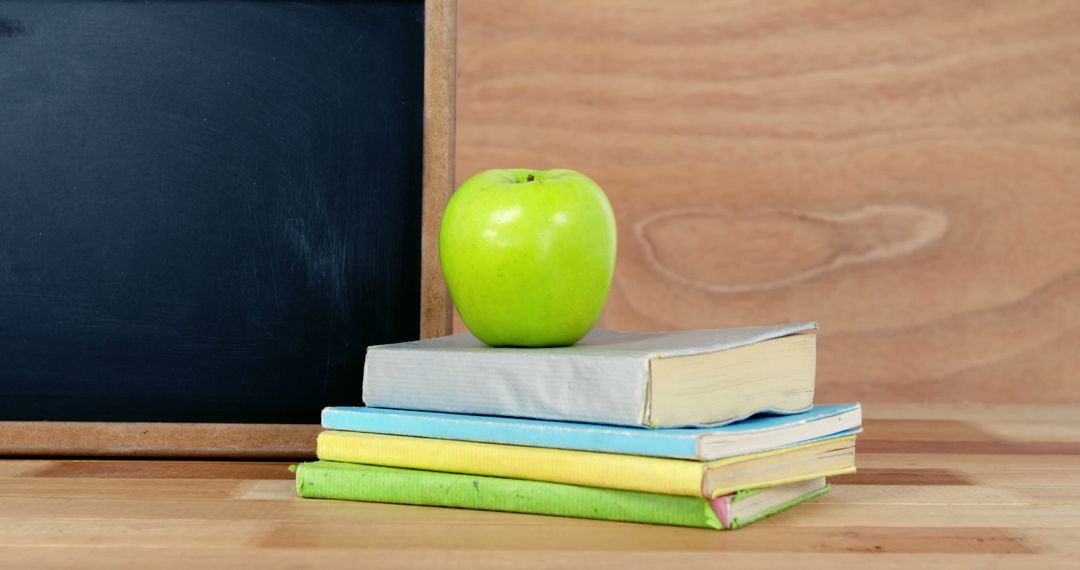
{"x":670,"y":379}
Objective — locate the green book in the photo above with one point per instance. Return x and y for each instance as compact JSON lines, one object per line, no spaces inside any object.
{"x":358,"y":482}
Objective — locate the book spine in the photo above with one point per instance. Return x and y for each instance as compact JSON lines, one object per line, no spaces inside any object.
{"x":612,"y":440}
{"x":329,"y":480}
{"x":606,"y":390}
{"x":609,"y":470}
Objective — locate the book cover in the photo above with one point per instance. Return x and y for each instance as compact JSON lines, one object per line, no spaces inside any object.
{"x":356,"y":482}
{"x":832,"y":456}
{"x":759,"y":433}
{"x":604,"y":378}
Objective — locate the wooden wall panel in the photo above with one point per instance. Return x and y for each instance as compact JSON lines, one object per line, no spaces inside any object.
{"x":905,"y":172}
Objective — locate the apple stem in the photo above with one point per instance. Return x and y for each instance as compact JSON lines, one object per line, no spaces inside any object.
{"x":530,"y":178}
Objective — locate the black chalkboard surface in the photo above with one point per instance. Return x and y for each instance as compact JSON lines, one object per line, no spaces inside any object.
{"x":208,"y":209}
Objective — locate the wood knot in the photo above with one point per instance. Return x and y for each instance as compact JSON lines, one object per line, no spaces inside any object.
{"x":738,"y":251}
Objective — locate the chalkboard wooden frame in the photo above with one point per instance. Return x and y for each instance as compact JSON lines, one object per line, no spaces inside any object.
{"x":21,"y":438}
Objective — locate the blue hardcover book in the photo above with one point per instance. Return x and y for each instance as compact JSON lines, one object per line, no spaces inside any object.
{"x":759,"y":433}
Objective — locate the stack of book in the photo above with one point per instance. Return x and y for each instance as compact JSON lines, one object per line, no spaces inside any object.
{"x":712,"y":429}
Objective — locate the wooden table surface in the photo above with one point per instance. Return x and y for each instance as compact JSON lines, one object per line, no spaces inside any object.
{"x":966,"y":487}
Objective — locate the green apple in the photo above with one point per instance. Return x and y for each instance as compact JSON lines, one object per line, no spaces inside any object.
{"x":528,"y":255}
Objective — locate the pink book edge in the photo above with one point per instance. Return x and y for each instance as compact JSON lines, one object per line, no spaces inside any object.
{"x":722,"y":507}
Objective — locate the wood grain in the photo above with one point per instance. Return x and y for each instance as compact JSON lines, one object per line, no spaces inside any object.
{"x":440,"y":75}
{"x":970,"y":508}
{"x":157,"y":439}
{"x":905,"y":172}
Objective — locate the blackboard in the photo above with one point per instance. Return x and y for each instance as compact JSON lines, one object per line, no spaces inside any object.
{"x":208,"y":209}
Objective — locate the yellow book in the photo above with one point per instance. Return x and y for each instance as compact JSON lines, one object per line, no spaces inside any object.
{"x":709,"y":479}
